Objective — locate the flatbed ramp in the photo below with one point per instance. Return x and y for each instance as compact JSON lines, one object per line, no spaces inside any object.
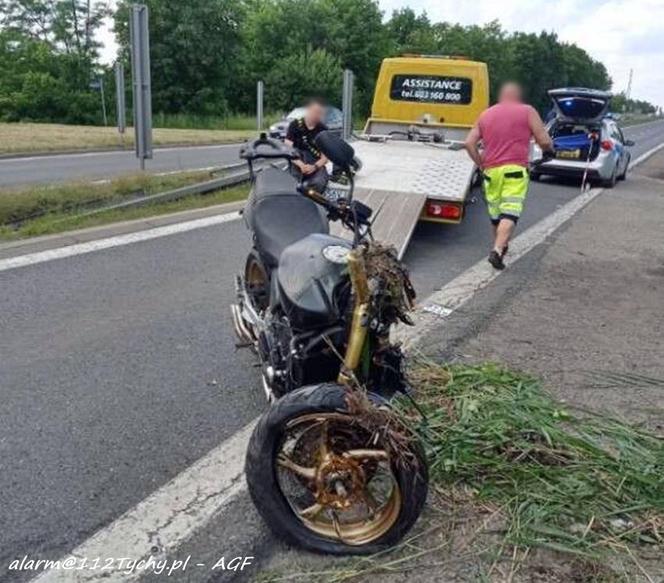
{"x":396,"y":179}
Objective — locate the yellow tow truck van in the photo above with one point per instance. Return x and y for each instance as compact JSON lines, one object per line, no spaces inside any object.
{"x":413,"y":163}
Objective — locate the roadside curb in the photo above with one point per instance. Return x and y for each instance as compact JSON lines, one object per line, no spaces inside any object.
{"x":46,"y":242}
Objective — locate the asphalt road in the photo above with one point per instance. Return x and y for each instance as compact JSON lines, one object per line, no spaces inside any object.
{"x":100,"y":165}
{"x":118,"y":369}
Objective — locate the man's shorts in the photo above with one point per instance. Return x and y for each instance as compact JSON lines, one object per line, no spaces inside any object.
{"x":505,"y":190}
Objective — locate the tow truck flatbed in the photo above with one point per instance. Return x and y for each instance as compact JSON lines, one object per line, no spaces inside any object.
{"x":405,"y":182}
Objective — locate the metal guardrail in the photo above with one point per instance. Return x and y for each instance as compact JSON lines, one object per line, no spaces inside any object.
{"x":239,"y":175}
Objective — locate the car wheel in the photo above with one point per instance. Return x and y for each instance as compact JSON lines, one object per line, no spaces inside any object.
{"x":611,"y":182}
{"x":624,"y":174}
{"x":535,"y":176}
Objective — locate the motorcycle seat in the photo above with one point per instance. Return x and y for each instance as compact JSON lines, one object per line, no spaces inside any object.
{"x":274,"y":182}
{"x":278,"y":215}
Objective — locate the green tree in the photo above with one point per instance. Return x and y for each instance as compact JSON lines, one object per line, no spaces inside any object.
{"x":193,"y":52}
{"x":301,"y":75}
{"x":351,"y":30}
{"x":411,"y":33}
{"x":48,"y":56}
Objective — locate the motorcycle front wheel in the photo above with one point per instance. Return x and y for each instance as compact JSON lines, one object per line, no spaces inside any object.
{"x":324,"y":479}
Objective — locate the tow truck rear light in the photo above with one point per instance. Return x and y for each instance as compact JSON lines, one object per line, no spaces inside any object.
{"x":606,"y":145}
{"x":442,"y":210}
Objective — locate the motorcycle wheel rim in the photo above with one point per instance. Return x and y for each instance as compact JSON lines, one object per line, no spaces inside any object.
{"x":329,"y":511}
{"x":256,"y":281}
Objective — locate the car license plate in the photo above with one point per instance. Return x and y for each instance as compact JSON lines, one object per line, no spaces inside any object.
{"x":333,"y":194}
{"x":569,"y":154}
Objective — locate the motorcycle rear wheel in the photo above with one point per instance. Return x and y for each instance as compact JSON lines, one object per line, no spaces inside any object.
{"x":257,"y":280}
{"x":323,"y":480}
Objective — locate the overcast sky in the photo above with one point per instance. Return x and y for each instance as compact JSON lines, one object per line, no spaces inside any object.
{"x":623,"y":34}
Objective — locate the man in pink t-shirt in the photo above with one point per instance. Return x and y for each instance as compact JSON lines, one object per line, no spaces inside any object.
{"x":505,"y":130}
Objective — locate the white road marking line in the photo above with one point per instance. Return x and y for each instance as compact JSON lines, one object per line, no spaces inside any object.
{"x":444,"y":302}
{"x":116,"y":241}
{"x":158,"y":524}
{"x":19,"y":159}
{"x":646,"y":155}
{"x":175,"y":511}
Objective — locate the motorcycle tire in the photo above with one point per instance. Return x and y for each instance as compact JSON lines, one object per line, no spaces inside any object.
{"x":264,"y":487}
{"x":257,"y":280}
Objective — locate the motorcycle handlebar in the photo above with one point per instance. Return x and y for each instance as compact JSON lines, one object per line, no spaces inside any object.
{"x":348,"y":212}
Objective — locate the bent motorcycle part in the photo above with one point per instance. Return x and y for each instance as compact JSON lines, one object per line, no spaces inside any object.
{"x":324,"y":478}
{"x":339,"y":482}
{"x":358,"y":327}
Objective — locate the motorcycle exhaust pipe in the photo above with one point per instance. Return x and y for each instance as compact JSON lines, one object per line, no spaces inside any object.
{"x":241,"y":329}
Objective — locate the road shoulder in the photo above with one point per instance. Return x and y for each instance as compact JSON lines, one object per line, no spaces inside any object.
{"x":584,"y":311}
{"x":48,"y":242}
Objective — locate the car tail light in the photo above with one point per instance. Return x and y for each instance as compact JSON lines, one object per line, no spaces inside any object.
{"x":442,"y":210}
{"x":606,"y":145}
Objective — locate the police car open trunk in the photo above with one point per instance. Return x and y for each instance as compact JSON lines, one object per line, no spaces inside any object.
{"x":577,"y":125}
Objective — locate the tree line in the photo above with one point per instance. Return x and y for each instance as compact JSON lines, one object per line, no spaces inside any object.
{"x":208,"y":54}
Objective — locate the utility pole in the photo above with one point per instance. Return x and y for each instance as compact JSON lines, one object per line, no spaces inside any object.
{"x":140,"y":74}
{"x":347,"y":103}
{"x":628,"y":91}
{"x":120,"y":97}
{"x":260,"y":92}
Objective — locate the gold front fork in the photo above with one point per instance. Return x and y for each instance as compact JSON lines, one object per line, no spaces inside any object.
{"x":358,"y":327}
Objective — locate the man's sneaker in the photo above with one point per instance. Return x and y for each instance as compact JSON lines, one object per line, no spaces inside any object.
{"x":496,"y":260}
{"x":505,"y":250}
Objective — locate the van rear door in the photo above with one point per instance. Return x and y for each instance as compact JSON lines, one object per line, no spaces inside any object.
{"x":580,"y":105}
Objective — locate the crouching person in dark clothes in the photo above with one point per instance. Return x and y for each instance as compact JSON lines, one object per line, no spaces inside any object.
{"x":301,"y":135}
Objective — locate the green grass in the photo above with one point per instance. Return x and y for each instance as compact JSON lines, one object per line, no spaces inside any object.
{"x":22,"y":138}
{"x":211,"y":122}
{"x":580,"y":484}
{"x":46,"y":210}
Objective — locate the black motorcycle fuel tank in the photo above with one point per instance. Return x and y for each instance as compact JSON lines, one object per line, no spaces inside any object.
{"x":310,"y":272}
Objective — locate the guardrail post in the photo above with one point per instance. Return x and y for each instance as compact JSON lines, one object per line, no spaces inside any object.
{"x":347,"y":103}
{"x":120,"y":108}
{"x":260,"y":91}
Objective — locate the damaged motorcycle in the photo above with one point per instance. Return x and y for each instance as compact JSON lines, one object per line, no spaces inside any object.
{"x":330,"y":466}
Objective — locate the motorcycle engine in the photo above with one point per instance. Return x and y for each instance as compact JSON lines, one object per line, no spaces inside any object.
{"x":274,"y":346}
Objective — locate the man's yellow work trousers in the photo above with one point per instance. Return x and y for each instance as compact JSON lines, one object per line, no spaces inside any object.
{"x":505,"y":190}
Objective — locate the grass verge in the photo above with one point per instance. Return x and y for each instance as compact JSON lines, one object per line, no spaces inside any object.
{"x":521,"y":489}
{"x":574,"y":483}
{"x":21,"y":138}
{"x":44,"y":210}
